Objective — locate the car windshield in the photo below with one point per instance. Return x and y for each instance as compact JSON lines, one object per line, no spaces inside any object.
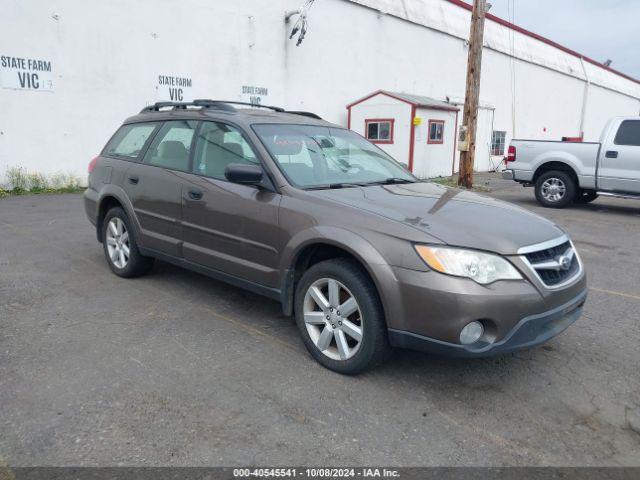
{"x":322,"y":157}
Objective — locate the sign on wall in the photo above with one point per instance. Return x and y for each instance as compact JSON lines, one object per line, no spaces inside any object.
{"x":254,"y":95}
{"x":26,"y":74}
{"x":174,"y":89}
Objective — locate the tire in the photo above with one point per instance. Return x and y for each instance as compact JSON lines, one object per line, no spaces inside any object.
{"x":585,"y":196}
{"x":117,"y":235}
{"x":328,"y":326}
{"x":555,"y":189}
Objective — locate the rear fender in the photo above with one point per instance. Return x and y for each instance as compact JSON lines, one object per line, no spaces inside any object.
{"x":114,"y":191}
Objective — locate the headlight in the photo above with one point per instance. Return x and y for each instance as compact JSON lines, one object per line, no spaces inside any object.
{"x":482,"y":267}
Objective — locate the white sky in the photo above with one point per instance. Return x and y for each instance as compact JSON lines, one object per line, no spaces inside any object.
{"x":600,"y":29}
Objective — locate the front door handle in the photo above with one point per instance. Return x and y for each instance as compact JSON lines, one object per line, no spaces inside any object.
{"x":195,"y":194}
{"x":133,"y":179}
{"x":611,"y":154}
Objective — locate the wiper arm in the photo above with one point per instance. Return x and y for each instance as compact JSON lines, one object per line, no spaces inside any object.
{"x":331,"y":186}
{"x":388,"y":181}
{"x":393,"y":181}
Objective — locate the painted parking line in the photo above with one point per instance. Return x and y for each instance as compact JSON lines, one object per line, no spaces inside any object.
{"x":250,"y":329}
{"x":613,"y":292}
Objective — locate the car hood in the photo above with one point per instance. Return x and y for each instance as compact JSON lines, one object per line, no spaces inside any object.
{"x":456,"y":217}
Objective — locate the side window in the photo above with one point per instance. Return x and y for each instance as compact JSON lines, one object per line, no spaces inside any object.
{"x":436,"y":131}
{"x":628,"y":133}
{"x":170,"y":147}
{"x":129,"y":140}
{"x":497,"y":142}
{"x":217,"y":146}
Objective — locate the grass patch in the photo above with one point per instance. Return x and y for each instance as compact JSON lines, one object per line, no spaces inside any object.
{"x":446,"y":181}
{"x":453,"y":182}
{"x":21,"y":182}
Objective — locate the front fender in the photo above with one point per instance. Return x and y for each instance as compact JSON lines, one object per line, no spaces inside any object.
{"x":374,"y":263}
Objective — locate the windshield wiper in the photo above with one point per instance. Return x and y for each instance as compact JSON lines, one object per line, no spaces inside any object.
{"x":393,"y":181}
{"x":331,"y":186}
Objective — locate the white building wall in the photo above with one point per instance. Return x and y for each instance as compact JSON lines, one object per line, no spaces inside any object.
{"x":106,"y":58}
{"x":382,"y":106}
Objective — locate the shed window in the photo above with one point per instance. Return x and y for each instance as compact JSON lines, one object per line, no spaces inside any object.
{"x":436,"y":131}
{"x":379,"y":130}
{"x":497,"y":142}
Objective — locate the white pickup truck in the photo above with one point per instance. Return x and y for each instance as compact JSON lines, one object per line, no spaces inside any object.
{"x":566,"y":172}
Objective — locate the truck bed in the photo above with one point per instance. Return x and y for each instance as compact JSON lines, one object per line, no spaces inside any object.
{"x":580,"y":156}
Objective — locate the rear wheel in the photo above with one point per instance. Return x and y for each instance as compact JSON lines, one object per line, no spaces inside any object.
{"x":120,"y":247}
{"x":340,"y":317}
{"x":555,"y":189}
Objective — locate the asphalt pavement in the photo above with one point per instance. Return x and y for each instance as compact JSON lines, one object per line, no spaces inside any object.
{"x":178,"y":369}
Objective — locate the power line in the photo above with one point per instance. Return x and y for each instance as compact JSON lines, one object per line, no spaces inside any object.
{"x":302,"y":23}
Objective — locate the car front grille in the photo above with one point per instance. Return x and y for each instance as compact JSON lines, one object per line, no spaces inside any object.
{"x":555,"y":265}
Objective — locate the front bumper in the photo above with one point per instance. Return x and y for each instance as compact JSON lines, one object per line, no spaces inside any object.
{"x":528,"y":332}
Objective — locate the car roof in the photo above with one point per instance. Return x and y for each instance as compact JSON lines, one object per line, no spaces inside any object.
{"x":246,"y":116}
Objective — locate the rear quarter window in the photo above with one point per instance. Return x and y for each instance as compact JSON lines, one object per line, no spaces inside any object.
{"x":129,"y":140}
{"x":628,"y":133}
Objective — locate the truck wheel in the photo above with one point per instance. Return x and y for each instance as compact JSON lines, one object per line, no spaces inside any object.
{"x":340,"y":317}
{"x":120,"y":247}
{"x":585,"y":196}
{"x":555,"y":189}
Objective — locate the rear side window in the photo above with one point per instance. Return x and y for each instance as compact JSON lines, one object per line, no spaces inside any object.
{"x":129,"y":140}
{"x":219,"y":145}
{"x":629,"y":133}
{"x":170,"y":148}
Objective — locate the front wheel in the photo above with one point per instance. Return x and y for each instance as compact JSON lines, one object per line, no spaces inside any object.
{"x":555,"y":189}
{"x":340,"y":317}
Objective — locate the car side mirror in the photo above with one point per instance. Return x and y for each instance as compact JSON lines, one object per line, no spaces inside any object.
{"x":244,"y":174}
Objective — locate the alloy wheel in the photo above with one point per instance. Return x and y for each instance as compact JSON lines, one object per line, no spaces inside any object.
{"x":553,"y":189}
{"x":333,"y":319}
{"x":118,"y":245}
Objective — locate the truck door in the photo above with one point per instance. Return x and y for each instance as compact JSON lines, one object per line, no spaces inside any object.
{"x":619,"y":169}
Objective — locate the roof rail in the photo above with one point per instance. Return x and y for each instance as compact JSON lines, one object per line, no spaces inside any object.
{"x":305,"y":114}
{"x":158,"y":105}
{"x":183,"y":105}
{"x":225,"y":105}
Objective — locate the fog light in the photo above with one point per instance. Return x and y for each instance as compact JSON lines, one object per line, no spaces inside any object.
{"x":471,"y":333}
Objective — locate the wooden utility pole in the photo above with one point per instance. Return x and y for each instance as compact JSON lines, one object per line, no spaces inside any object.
{"x":472,"y":92}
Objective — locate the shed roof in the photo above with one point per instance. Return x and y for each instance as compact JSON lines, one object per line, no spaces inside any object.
{"x":415,"y":100}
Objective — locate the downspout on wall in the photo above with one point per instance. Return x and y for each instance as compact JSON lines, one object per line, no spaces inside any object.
{"x":585,"y":97}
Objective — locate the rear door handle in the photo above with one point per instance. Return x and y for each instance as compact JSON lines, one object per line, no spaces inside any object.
{"x":133,"y":179}
{"x":611,"y":154}
{"x":195,"y":194}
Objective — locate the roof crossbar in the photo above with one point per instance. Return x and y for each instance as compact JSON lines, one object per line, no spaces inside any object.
{"x":231,"y":102}
{"x":305,"y":114}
